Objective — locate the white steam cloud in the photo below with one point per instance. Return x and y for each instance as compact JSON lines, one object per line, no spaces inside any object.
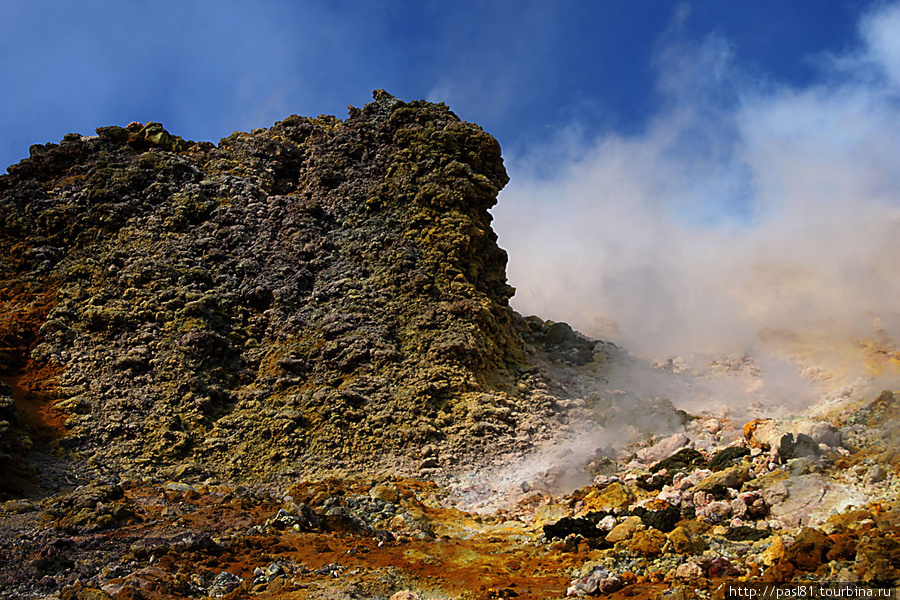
{"x":745,"y":206}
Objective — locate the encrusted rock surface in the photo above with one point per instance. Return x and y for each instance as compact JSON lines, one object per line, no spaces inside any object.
{"x":322,"y":294}
{"x":286,"y":367}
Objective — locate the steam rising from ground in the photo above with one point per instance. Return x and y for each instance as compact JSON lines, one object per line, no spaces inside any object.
{"x":745,"y":207}
{"x":749,"y":223}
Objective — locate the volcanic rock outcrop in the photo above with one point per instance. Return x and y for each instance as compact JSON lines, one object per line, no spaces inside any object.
{"x":313,"y":295}
{"x":286,"y":367}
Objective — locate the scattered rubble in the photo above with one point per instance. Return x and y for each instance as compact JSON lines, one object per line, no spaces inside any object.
{"x":775,"y":520}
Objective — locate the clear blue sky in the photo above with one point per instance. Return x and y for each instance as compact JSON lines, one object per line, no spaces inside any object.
{"x":521,"y":69}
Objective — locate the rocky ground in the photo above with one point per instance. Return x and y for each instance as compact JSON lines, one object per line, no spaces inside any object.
{"x":286,"y":367}
{"x":678,"y":515}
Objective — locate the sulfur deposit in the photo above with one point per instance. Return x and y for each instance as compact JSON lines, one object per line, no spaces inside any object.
{"x":285,"y":366}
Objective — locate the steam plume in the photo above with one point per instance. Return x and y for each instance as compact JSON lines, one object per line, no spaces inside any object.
{"x":745,"y":207}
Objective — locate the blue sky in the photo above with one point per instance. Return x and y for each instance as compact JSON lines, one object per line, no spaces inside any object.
{"x":684,"y":174}
{"x":521,"y":69}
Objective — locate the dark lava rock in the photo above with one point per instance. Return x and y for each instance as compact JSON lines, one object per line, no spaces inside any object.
{"x":684,"y":459}
{"x":54,"y":558}
{"x":745,"y":533}
{"x":725,"y":458}
{"x":563,"y":344}
{"x":664,"y":519}
{"x":800,"y":447}
{"x":341,"y":518}
{"x":583,"y":527}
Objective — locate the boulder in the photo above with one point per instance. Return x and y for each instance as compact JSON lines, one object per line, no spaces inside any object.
{"x":587,"y":585}
{"x":615,"y":495}
{"x":809,"y":499}
{"x":715,"y":512}
{"x":663,"y":448}
{"x":681,"y":541}
{"x":663,"y":519}
{"x":718,"y":483}
{"x":768,"y":433}
{"x":727,"y":456}
{"x":685,"y":458}
{"x":624,"y":530}
{"x":722,"y":567}
{"x":647,"y":542}
{"x":774,"y":553}
{"x":689,"y":571}
{"x":801,"y":446}
{"x":809,"y":549}
{"x":567,"y":525}
{"x":749,"y":505}
{"x":386,"y":492}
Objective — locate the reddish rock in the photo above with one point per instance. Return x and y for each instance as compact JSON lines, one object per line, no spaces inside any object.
{"x":722,"y":567}
{"x":609,"y":585}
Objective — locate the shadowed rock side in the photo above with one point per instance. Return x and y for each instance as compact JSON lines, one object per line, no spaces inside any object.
{"x":320,"y":294}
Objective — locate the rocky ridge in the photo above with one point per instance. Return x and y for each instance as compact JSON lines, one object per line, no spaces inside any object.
{"x":322,"y":294}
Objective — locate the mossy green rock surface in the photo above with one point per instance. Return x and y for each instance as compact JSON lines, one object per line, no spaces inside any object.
{"x":323,"y":294}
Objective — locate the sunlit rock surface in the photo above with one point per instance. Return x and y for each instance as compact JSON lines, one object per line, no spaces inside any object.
{"x":322,"y":294}
{"x":286,"y":367}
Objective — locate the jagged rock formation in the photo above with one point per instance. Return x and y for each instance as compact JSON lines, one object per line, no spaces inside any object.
{"x":180,"y":321}
{"x":315,"y":294}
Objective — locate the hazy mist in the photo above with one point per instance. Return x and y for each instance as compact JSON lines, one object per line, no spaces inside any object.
{"x":745,"y":206}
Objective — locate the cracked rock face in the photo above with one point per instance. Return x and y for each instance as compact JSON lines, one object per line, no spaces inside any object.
{"x":316,"y":295}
